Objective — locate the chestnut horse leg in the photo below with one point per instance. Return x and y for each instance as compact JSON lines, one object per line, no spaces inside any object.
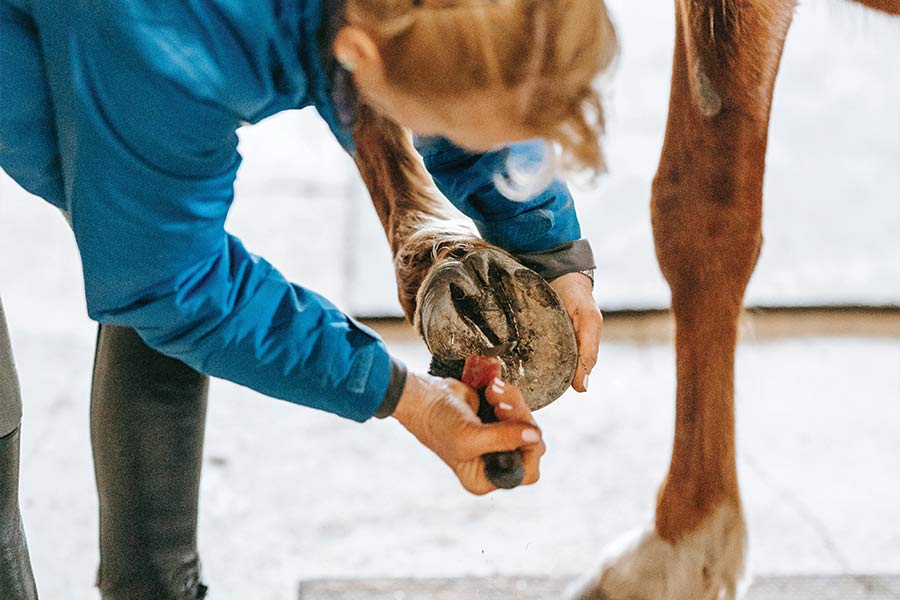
{"x":706,"y":212}
{"x":420,"y":232}
{"x":892,"y":7}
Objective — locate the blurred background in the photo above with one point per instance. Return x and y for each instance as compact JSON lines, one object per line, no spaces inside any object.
{"x":291,"y":494}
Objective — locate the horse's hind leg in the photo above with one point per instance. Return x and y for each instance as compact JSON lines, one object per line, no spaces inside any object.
{"x":706,"y":210}
{"x":892,"y":7}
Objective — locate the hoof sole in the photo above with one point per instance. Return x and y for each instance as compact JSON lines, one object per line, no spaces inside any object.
{"x":487,"y":301}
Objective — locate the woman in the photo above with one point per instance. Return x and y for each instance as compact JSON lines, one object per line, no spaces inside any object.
{"x":123,"y":115}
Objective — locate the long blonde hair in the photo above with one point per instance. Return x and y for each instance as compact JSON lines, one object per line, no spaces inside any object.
{"x":547,"y":52}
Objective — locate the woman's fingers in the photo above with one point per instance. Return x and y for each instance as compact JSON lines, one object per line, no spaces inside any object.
{"x":508,"y":403}
{"x":576,"y":292}
{"x":472,"y":475}
{"x":588,"y":325}
{"x":516,"y":430}
{"x":497,"y":437}
{"x":531,"y":458}
{"x":473,"y":478}
{"x":468,"y":394}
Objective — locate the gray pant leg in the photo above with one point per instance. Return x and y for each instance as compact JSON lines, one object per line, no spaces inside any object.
{"x":148,"y":413}
{"x":10,"y":398}
{"x":16,"y":578}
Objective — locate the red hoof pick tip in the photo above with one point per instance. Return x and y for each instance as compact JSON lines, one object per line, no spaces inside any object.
{"x":505,"y":470}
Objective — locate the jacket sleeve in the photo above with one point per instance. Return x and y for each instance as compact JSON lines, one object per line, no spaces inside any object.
{"x":542,"y":232}
{"x":28,"y":140}
{"x":151,"y":172}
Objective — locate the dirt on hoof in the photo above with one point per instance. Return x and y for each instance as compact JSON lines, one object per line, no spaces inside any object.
{"x":487,"y":300}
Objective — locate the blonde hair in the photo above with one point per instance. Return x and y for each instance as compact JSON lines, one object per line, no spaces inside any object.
{"x":548,"y":53}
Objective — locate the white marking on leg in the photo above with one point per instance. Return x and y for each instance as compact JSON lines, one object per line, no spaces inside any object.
{"x":707,"y":564}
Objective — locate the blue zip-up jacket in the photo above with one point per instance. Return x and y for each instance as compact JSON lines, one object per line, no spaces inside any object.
{"x":124,"y":112}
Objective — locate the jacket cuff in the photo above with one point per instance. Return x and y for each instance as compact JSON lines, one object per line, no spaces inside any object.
{"x":571,"y":257}
{"x":396,"y":383}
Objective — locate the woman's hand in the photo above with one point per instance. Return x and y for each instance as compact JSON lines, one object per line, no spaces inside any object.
{"x":575,"y":291}
{"x":442,"y":414}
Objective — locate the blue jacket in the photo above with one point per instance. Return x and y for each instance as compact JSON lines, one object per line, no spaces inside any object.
{"x":124,"y":112}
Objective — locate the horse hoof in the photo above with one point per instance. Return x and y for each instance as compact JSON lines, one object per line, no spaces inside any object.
{"x":486,"y":302}
{"x":707,"y":564}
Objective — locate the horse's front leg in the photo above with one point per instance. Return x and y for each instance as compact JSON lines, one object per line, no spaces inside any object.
{"x":706,"y":210}
{"x":462,"y":294}
{"x":419,"y":230}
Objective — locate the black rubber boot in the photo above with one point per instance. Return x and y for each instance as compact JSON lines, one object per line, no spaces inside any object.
{"x":16,"y":578}
{"x":148,"y":412}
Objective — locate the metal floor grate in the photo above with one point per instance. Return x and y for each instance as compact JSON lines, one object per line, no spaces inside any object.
{"x":789,"y":587}
{"x":839,"y":587}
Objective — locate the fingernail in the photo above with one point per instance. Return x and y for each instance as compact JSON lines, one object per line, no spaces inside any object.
{"x":531,"y":436}
{"x":584,"y":382}
{"x":499,"y":382}
{"x":504,"y":406}
{"x":497,"y":389}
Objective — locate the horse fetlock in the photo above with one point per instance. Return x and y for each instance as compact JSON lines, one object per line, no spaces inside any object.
{"x":424,"y":249}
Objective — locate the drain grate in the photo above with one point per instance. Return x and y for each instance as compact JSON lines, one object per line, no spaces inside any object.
{"x":840,"y":587}
{"x":788,"y":587}
{"x":476,"y":588}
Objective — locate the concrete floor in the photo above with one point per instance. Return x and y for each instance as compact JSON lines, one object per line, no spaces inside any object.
{"x":290,"y":494}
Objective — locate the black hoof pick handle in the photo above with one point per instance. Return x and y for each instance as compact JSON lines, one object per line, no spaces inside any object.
{"x":505,"y":470}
